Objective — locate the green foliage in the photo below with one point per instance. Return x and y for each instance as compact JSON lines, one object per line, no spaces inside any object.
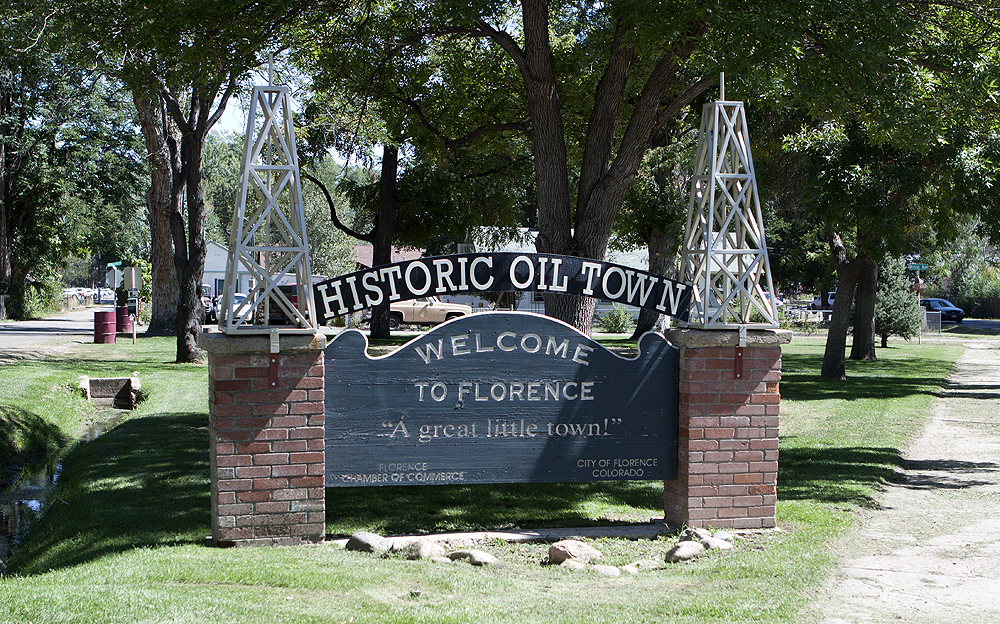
{"x":617,"y":320}
{"x":896,"y":309}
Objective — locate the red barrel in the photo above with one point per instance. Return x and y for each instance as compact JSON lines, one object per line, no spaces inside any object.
{"x":104,"y":327}
{"x":124,"y":320}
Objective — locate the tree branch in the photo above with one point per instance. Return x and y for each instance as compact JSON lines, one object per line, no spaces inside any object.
{"x":368,"y":238}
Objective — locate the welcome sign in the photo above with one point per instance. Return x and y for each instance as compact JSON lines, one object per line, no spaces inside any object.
{"x":499,"y":397}
{"x":470,"y":273}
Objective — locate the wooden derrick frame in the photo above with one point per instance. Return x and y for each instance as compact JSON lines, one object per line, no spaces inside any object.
{"x":270,"y":242}
{"x":725,"y":252}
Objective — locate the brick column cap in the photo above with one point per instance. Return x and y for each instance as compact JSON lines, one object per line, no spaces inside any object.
{"x":218,"y":343}
{"x":726,"y":338}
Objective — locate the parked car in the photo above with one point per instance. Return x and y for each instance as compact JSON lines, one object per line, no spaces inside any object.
{"x":825,"y":304}
{"x":236,"y":309}
{"x":949,"y":311}
{"x":422,"y":311}
{"x":206,"y":301}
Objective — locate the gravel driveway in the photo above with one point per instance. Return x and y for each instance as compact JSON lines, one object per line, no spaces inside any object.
{"x":932,"y":553}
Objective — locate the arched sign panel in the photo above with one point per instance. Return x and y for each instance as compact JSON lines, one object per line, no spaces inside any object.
{"x":499,"y":397}
{"x":501,"y":272}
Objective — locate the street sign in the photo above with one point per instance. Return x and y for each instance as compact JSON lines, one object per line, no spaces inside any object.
{"x":915,"y":266}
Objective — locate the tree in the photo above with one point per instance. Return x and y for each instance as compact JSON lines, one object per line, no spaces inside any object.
{"x":68,"y":161}
{"x":192,"y":57}
{"x":590,"y":85}
{"x":896,"y":310}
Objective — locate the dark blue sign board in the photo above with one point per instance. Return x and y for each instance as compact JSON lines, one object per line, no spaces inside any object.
{"x":463,"y":274}
{"x":499,"y":397}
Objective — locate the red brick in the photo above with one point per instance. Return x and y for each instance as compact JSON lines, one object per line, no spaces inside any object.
{"x":290,"y":494}
{"x":274,"y":507}
{"x":232,"y":435}
{"x":250,"y":472}
{"x":748,"y":477}
{"x":293,"y":470}
{"x":747,"y":501}
{"x":749,"y":456}
{"x":255,"y":496}
{"x":718,"y":456}
{"x":269,"y":484}
{"x":767,"y":489}
{"x":238,"y":509}
{"x":733,"y":467}
{"x":317,"y":396}
{"x":288,"y":396}
{"x":254,"y":422}
{"x":764,"y":466}
{"x":253,"y":448}
{"x":233,"y":410}
{"x":265,"y":459}
{"x":733,"y":445}
{"x":290,"y":446}
{"x":719,"y":432}
{"x":235,"y":485}
{"x":765,"y":399}
{"x":252,"y":372}
{"x":270,"y":409}
{"x":310,"y":407}
{"x":233,"y":385}
{"x":271,"y":435}
{"x":290,"y":421}
{"x":253,"y":397}
{"x":307,"y":458}
{"x":226,"y":498}
{"x":307,"y":432}
{"x":703,"y":445}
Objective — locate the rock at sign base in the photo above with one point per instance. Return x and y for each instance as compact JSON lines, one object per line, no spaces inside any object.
{"x":693,"y":535}
{"x":573,"y":564}
{"x":714,"y":543}
{"x":607,"y":570}
{"x":368,"y":542}
{"x":572,"y":549}
{"x":725,"y":535}
{"x":684,"y":551}
{"x":423,"y":549}
{"x":475,"y":557}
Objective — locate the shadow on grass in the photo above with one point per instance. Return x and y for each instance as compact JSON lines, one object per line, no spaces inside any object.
{"x":426,"y":509}
{"x":835,"y":475}
{"x":880,"y":379}
{"x":142,"y":484}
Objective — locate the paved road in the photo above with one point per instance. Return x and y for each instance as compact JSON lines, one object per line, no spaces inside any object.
{"x":27,"y":339}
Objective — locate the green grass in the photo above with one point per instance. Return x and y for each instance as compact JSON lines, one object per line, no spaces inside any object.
{"x":124,"y":539}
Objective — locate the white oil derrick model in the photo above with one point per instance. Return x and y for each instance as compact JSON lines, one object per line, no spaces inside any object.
{"x":725,"y":252}
{"x":268,"y":237}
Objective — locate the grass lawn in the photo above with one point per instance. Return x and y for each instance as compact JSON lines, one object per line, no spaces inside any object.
{"x":124,"y":538}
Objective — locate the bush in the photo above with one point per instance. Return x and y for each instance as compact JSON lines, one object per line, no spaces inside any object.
{"x":896,"y":309}
{"x":617,"y":320}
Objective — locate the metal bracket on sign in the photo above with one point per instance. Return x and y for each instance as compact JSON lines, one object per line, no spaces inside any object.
{"x":739,"y":352}
{"x":272,"y":366}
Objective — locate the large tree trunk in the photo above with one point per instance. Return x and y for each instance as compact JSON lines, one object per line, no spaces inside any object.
{"x":161,"y":150}
{"x":5,"y":237}
{"x":848,"y":272}
{"x":189,"y":244}
{"x":863,"y":345}
{"x":662,"y":248}
{"x":382,"y":245}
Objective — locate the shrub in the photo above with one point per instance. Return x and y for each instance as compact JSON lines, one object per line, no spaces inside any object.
{"x":617,"y":320}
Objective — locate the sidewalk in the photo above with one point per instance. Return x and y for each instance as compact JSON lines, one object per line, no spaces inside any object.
{"x":931,"y":554}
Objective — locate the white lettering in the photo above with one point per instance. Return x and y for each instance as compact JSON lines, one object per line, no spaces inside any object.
{"x":592,"y":269}
{"x":581,"y":353}
{"x":604,"y":283}
{"x":458,"y":345}
{"x":513,"y":272}
{"x":337,"y":296}
{"x":354,"y":291}
{"x":372,"y":288}
{"x":556,"y":263}
{"x":409,"y":280}
{"x":488,"y":261}
{"x":388,"y":273}
{"x":426,"y":355}
{"x":443,"y":275}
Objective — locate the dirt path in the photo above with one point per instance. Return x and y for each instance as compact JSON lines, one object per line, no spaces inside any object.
{"x":932,"y":553}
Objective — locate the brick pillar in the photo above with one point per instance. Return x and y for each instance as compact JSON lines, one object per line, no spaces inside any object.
{"x":727,"y":458}
{"x":267,"y":454}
